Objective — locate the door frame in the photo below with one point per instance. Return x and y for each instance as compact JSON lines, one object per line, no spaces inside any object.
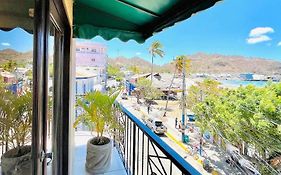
{"x":44,"y":10}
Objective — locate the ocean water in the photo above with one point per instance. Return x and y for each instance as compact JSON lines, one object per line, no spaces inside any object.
{"x":237,"y":83}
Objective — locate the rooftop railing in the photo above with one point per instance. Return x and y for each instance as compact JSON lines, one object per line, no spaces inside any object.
{"x":144,"y":152}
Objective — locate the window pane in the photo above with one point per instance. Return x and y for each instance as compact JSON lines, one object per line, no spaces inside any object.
{"x":16,"y":54}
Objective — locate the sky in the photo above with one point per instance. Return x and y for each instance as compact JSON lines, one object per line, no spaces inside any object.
{"x":250,"y":28}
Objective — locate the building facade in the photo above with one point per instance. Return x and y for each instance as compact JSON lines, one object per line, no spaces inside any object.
{"x":91,"y":54}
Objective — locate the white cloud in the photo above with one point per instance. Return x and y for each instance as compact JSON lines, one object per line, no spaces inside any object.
{"x":258,"y":31}
{"x":279,"y":44}
{"x":259,"y":34}
{"x":5,"y":44}
{"x":138,"y":53}
{"x":258,"y":39}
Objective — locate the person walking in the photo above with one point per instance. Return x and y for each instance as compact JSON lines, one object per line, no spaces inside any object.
{"x":200,"y":146}
{"x":148,"y":108}
{"x":176,"y":123}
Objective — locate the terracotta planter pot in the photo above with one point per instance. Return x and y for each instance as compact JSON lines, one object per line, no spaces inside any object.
{"x":98,"y":158}
{"x":17,"y":161}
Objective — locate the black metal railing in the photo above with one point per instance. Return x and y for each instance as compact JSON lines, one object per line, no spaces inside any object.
{"x":143,"y":152}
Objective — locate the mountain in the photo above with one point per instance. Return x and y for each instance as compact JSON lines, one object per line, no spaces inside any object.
{"x":144,"y":65}
{"x":210,"y":63}
{"x":217,"y":63}
{"x":10,"y":54}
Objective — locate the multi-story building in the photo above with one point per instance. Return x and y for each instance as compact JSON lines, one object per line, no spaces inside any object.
{"x":91,"y":62}
{"x":91,"y":58}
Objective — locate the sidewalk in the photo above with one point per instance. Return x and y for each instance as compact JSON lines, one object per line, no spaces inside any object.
{"x":215,"y":155}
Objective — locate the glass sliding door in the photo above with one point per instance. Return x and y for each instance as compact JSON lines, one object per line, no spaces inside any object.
{"x":51,"y":88}
{"x":34,"y":87}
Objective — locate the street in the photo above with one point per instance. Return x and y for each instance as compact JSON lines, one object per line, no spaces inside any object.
{"x":215,"y":155}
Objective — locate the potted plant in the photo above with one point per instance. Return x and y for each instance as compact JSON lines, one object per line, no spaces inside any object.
{"x":16,"y":121}
{"x":99,"y":115}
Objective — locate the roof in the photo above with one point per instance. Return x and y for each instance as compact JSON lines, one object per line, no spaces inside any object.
{"x":131,"y":19}
{"x":90,"y":44}
{"x":137,"y":76}
{"x":7,"y":74}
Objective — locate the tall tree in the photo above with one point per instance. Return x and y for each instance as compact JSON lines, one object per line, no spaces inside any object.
{"x":9,"y":66}
{"x":178,"y":65}
{"x":147,"y":91}
{"x":135,"y":69}
{"x":155,"y":50}
{"x":246,"y":116}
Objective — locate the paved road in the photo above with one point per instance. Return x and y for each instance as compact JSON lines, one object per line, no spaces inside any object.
{"x":215,"y":155}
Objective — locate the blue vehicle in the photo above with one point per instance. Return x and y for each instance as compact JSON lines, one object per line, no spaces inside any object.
{"x":191,"y":117}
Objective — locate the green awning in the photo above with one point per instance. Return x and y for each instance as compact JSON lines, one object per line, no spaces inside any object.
{"x":131,"y":19}
{"x":15,"y":13}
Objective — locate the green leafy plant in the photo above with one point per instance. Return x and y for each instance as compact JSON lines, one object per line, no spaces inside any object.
{"x":9,"y":66}
{"x":246,"y":116}
{"x":99,"y":114}
{"x":147,"y":90}
{"x":16,"y":119}
{"x":114,"y":71}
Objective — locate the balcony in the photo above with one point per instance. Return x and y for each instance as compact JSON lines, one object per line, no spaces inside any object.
{"x":136,"y":150}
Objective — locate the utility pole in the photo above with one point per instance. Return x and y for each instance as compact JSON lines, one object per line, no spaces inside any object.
{"x":183,"y":101}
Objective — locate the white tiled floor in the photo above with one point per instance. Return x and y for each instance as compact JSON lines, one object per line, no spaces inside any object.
{"x":79,"y":157}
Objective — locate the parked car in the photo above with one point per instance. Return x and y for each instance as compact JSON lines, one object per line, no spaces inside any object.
{"x":156,"y":125}
{"x":124,"y":96}
{"x":171,"y":97}
{"x":150,"y":102}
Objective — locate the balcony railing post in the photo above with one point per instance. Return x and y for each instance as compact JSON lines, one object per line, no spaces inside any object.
{"x":127,"y":144}
{"x":134,"y":148}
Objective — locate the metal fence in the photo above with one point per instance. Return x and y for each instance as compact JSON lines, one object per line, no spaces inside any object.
{"x":143,"y":152}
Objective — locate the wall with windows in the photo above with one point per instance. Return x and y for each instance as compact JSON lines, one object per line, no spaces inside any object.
{"x":90,"y":54}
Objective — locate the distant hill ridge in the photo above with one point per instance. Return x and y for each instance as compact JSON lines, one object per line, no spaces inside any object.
{"x":210,"y":63}
{"x":10,"y":54}
{"x":200,"y":63}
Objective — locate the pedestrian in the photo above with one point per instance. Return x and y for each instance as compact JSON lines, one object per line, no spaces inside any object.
{"x":164,"y":114}
{"x":148,"y":108}
{"x":200,"y":146}
{"x":180,"y":125}
{"x":176,"y":123}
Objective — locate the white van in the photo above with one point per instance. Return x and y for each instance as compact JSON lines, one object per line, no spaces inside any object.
{"x":156,"y":125}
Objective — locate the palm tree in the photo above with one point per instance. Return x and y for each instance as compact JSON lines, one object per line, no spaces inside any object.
{"x":155,"y":49}
{"x":178,"y":63}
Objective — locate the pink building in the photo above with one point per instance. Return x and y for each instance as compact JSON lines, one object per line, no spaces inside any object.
{"x":90,"y":54}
